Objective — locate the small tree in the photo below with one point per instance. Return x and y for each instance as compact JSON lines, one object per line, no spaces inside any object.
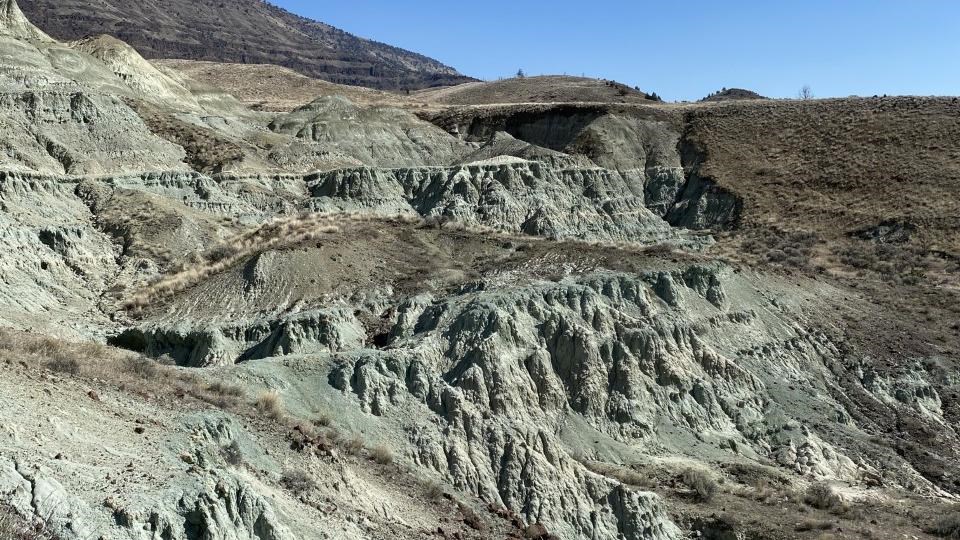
{"x":805,"y":93}
{"x":521,"y":74}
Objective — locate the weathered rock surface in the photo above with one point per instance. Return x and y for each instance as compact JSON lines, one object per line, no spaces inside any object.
{"x":526,"y":197}
{"x":377,"y":136}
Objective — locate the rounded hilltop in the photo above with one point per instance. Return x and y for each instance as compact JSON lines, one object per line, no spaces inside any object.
{"x":538,"y":89}
{"x":732,"y":94}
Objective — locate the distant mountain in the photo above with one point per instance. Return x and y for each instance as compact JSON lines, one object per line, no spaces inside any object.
{"x":241,"y":31}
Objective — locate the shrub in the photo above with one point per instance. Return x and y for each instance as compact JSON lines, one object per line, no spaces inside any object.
{"x":232,"y":453}
{"x":947,"y":526}
{"x":61,"y":364}
{"x":382,"y":455}
{"x":703,"y":485}
{"x":355,"y":445}
{"x":141,"y":367}
{"x":270,"y":404}
{"x":822,"y":497}
{"x":225,"y":389}
{"x":323,"y":419}
{"x":813,"y":525}
{"x":297,"y":481}
{"x":434,"y":490}
{"x":13,"y":527}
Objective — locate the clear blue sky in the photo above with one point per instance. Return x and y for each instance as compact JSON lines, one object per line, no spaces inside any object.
{"x":681,"y":50}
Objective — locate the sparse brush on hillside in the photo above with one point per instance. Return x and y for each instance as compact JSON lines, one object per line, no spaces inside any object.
{"x":270,"y":404}
{"x":947,"y":525}
{"x":267,"y":236}
{"x":14,"y":527}
{"x":621,"y":473}
{"x":123,"y":369}
{"x":701,"y":484}
{"x":822,"y":496}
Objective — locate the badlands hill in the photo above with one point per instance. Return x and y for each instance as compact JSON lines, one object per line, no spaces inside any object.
{"x":241,"y":31}
{"x":356,"y":318}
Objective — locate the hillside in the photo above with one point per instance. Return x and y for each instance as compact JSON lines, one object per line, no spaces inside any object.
{"x":274,"y":88}
{"x":241,"y":31}
{"x":536,"y":309}
{"x":539,"y":89}
{"x":732,"y":94}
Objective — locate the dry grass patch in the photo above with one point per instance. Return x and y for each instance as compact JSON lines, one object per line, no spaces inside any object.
{"x":621,"y":473}
{"x":822,"y":496}
{"x":270,"y":404}
{"x":322,"y":419}
{"x":381,"y":454}
{"x":129,"y":372}
{"x":299,"y":482}
{"x":947,"y":526}
{"x":701,"y":484}
{"x":354,"y":446}
{"x":270,"y":235}
{"x":15,"y":527}
{"x":224,"y":389}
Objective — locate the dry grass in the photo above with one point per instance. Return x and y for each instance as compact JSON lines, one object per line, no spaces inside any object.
{"x":701,"y":483}
{"x":297,"y":481}
{"x":127,"y":371}
{"x":833,"y":167}
{"x":14,"y":527}
{"x":621,"y":473}
{"x":947,"y":526}
{"x":354,"y":446}
{"x":434,"y":490}
{"x":270,"y":235}
{"x":822,"y":496}
{"x":275,"y":88}
{"x":323,"y":419}
{"x":381,"y":454}
{"x":270,"y":404}
{"x":225,"y":389}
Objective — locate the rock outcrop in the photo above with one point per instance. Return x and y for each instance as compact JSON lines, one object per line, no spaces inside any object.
{"x":526,"y":197}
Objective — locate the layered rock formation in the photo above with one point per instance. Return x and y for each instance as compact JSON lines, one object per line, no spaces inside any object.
{"x":505,"y":303}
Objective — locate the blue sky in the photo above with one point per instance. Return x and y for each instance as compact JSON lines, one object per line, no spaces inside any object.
{"x":681,"y":50}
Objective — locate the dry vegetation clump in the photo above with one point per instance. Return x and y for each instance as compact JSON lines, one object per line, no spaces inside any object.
{"x":322,"y":419}
{"x":946,"y":526}
{"x":903,"y":264}
{"x":298,"y":481}
{"x":225,"y":389}
{"x":270,"y":404}
{"x":434,"y":490}
{"x":822,"y":496}
{"x":783,"y":248}
{"x":701,"y":483}
{"x":15,"y":527}
{"x":621,"y":473}
{"x":354,"y":446}
{"x":381,"y":454}
{"x":813,"y":525}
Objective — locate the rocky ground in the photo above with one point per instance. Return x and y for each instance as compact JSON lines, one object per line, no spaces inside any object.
{"x":468,"y":316}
